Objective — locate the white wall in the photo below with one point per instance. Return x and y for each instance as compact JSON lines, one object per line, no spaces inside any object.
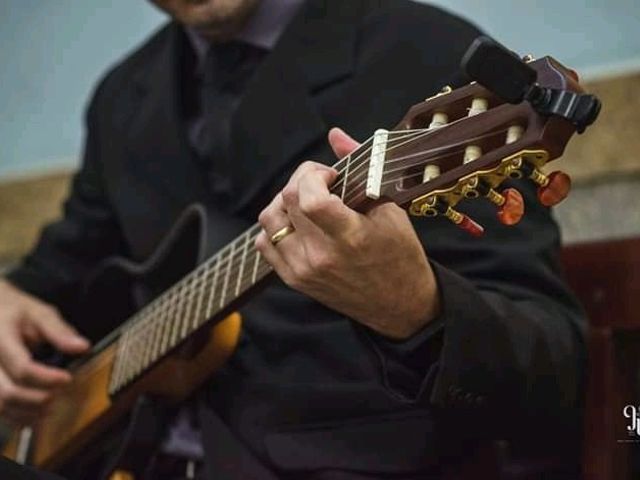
{"x":53,"y":51}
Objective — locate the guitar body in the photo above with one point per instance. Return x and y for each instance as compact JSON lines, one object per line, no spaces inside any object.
{"x":84,"y":410}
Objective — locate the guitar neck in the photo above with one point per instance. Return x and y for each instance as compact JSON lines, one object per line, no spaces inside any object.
{"x":224,"y":280}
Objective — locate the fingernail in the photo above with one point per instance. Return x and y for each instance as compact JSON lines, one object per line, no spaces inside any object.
{"x":80,"y":341}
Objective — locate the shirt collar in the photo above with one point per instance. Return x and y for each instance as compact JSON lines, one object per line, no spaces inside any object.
{"x":262,"y":30}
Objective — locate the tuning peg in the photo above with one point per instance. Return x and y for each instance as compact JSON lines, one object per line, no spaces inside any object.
{"x":552,"y":189}
{"x":512,"y":209}
{"x":555,"y":189}
{"x":510,"y":202}
{"x":464,"y":222}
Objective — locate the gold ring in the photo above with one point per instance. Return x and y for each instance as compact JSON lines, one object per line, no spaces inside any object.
{"x":280,"y":234}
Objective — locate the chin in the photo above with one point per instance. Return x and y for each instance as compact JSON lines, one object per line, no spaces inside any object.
{"x":215,"y":18}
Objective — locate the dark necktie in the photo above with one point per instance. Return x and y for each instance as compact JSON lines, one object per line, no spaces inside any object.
{"x":225,"y":73}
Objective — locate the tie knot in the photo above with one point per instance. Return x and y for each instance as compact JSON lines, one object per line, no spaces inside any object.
{"x":227,"y":61}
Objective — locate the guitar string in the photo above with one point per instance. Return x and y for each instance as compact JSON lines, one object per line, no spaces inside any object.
{"x":239,"y":280}
{"x":427,"y":132}
{"x":401,"y":135}
{"x":350,"y":163}
{"x":362,"y":152}
{"x":222,"y":252}
{"x":426,"y":161}
{"x":219,"y":254}
{"x":424,"y":132}
{"x":236,"y":279}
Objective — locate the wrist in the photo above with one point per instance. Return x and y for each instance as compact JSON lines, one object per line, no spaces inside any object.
{"x":421,"y":307}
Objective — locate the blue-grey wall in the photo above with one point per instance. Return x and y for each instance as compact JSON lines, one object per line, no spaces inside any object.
{"x":52,"y":52}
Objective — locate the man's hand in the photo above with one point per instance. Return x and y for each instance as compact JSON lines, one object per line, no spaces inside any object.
{"x":370,"y":267}
{"x":26,"y":386}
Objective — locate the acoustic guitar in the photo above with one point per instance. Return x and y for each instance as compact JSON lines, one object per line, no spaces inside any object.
{"x":459,"y":144}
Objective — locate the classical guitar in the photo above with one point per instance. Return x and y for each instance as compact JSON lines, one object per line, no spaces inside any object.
{"x":459,"y":144}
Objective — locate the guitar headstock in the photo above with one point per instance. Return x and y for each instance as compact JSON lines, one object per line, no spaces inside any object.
{"x":464,"y":143}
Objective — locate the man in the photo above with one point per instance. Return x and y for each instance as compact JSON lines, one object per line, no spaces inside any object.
{"x":387,"y":351}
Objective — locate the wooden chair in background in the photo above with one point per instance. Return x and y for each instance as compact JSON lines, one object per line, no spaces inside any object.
{"x":606,"y":277}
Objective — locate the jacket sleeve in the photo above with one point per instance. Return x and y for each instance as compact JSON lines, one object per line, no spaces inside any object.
{"x":510,"y":334}
{"x":87,"y":232}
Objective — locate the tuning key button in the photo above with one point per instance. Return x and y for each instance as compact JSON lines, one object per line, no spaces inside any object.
{"x":464,"y":222}
{"x":555,"y":189}
{"x":440,"y":119}
{"x":514,"y":133}
{"x":512,"y":210}
{"x":430,"y":172}
{"x":471,"y":153}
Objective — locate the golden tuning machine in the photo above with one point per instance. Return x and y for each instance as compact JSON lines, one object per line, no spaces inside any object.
{"x":484,"y":183}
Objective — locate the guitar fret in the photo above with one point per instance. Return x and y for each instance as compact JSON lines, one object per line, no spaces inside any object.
{"x":345,"y":177}
{"x":255,"y":267}
{"x":187,"y":305}
{"x":198,"y":318}
{"x":187,"y":301}
{"x":144,"y":334}
{"x":226,"y":277}
{"x":166,"y":321}
{"x":212,"y":294}
{"x":242,"y":262}
{"x":134,"y":353}
{"x":152,"y":333}
{"x":161,"y":322}
{"x":126,"y":360}
{"x":141,"y":339}
{"x":145,"y":348}
{"x":176,"y":317}
{"x":119,"y":362}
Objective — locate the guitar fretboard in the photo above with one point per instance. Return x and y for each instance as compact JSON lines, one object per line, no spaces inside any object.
{"x":207,"y":291}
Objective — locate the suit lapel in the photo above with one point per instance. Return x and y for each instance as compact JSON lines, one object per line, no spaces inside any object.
{"x":278,"y":118}
{"x":156,"y":136}
{"x":276,"y":121}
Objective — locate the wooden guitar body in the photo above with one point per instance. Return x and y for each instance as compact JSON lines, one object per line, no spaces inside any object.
{"x":85,"y":409}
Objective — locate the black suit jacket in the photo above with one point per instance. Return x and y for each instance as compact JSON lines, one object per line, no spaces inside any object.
{"x":308,"y":391}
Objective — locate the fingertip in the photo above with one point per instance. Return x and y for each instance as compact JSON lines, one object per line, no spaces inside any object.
{"x":79,"y":342}
{"x":52,"y":376}
{"x":73,"y":344}
{"x":330,"y":174}
{"x":341,"y":142}
{"x":335,"y":132}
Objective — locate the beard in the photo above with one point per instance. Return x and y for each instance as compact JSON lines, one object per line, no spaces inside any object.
{"x":214,"y":19}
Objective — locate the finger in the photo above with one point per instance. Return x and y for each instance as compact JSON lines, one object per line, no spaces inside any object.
{"x":56,"y":331}
{"x":22,"y":369}
{"x":16,"y":396}
{"x":306,"y":167}
{"x":274,"y":217}
{"x":324,"y":209}
{"x":341,"y":143}
{"x":273,"y":257}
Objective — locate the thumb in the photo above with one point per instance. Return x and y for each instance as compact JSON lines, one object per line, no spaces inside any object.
{"x":56,"y":331}
{"x":341,"y":143}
